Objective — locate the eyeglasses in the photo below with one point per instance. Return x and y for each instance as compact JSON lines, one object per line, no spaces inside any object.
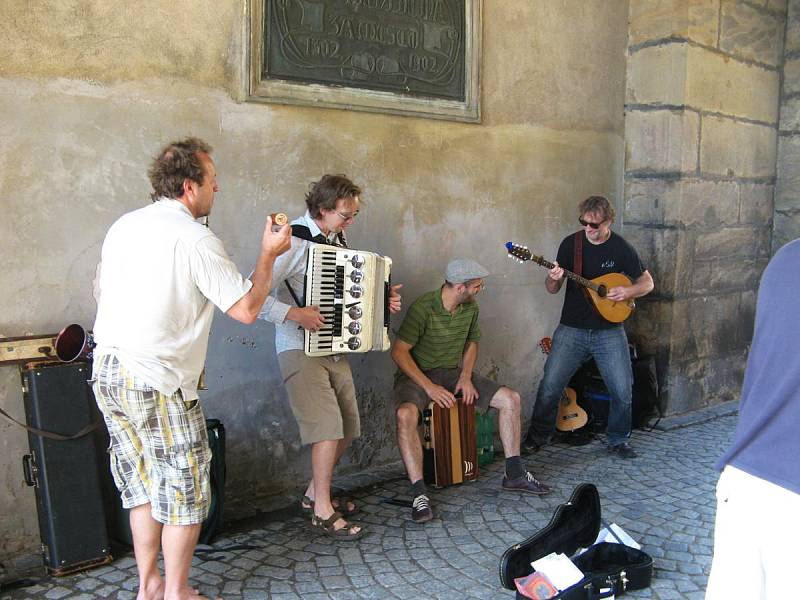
{"x":477,"y":287}
{"x":590,"y":224}
{"x":347,"y":217}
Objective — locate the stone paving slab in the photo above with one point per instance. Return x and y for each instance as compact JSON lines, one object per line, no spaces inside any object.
{"x":664,"y":499}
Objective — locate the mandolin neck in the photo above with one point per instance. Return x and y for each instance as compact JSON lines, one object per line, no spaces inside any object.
{"x":573,"y":276}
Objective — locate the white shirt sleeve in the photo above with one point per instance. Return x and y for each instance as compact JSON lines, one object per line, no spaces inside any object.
{"x":215,"y":274}
{"x":289,"y":266}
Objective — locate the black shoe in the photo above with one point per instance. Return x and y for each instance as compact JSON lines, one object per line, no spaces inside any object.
{"x":533,"y":444}
{"x":579,"y":437}
{"x":526,"y":483}
{"x":421,"y":511}
{"x":623,"y":450}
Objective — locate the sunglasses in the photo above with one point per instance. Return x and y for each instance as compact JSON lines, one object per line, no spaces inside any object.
{"x":590,"y":224}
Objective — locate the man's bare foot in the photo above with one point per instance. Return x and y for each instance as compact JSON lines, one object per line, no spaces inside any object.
{"x":151,"y":590}
{"x":192,"y":594}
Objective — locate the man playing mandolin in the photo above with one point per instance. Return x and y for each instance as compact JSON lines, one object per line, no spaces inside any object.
{"x":583,"y":332}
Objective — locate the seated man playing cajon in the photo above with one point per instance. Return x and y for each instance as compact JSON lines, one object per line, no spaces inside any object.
{"x":440,"y":331}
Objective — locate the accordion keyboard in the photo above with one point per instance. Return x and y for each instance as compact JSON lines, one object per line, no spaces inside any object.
{"x":350,"y":287}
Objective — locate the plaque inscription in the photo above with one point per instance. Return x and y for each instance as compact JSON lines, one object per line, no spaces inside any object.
{"x":417,"y":57}
{"x":407,"y":46}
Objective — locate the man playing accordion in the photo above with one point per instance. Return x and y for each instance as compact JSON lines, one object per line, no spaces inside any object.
{"x":320,"y":388}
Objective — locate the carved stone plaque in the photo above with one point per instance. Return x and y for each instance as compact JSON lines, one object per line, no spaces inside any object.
{"x":406,"y":56}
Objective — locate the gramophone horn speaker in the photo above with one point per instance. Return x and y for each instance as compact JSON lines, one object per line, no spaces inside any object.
{"x":74,"y":342}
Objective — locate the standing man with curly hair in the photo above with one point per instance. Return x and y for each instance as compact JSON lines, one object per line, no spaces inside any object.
{"x":320,"y":388}
{"x":162,"y":273}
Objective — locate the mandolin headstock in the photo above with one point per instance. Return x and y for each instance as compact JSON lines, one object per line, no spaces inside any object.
{"x":521,"y":253}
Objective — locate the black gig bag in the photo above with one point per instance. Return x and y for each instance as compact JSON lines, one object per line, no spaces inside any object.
{"x":217,"y":474}
{"x":609,"y":569}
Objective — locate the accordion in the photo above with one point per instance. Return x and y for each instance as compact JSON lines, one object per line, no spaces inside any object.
{"x":351,"y":289}
{"x":450,"y":452}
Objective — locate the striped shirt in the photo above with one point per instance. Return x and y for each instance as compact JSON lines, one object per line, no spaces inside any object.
{"x":438,"y":337}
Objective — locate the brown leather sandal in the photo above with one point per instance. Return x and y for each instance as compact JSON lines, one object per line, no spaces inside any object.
{"x":307,"y":506}
{"x":327,"y":527}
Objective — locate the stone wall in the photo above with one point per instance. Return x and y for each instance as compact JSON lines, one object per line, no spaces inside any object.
{"x":787,"y":190}
{"x":701,"y":129}
{"x":90,"y":89}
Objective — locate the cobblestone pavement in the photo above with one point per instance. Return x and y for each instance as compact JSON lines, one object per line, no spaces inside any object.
{"x":664,"y":499}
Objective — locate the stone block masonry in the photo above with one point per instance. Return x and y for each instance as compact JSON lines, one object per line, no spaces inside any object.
{"x":702,"y":113}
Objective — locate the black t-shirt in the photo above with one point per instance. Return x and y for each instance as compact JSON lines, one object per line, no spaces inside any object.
{"x":615,"y":255}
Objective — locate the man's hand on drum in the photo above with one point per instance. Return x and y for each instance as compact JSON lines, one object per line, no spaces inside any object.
{"x":469,"y":392}
{"x":442,"y":396}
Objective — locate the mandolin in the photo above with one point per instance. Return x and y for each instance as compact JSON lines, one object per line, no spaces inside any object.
{"x":596,"y":289}
{"x":570,"y":415}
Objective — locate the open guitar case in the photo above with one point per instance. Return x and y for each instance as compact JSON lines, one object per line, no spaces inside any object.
{"x":609,"y":569}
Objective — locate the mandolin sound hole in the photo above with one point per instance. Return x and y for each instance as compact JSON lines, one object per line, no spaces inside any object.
{"x":601,"y":290}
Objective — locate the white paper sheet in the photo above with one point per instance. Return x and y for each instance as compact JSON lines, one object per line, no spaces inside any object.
{"x":559,"y":569}
{"x":606,"y":536}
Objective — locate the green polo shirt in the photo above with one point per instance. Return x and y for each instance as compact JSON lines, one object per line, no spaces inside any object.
{"x":438,"y":338}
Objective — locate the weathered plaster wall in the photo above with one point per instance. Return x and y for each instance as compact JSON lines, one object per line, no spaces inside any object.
{"x":701,"y":131}
{"x":90,"y":90}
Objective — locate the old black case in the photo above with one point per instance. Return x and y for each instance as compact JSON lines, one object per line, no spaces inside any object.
{"x":609,"y":569}
{"x":64,"y":473}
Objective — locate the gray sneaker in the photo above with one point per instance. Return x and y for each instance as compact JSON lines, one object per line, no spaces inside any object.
{"x":526,"y":483}
{"x":421,"y":511}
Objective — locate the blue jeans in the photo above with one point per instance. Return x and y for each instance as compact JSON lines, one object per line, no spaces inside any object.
{"x":571,"y":348}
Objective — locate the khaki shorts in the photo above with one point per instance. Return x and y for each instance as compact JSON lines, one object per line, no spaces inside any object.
{"x":159,"y":445}
{"x":406,"y":390}
{"x":322,"y":396}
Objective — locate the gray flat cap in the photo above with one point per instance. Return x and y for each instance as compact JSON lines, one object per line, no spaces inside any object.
{"x":460,"y":270}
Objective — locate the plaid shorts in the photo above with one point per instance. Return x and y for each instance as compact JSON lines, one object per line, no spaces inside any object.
{"x":159,"y":445}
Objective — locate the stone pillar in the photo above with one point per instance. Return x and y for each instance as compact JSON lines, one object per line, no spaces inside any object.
{"x":701,"y":131}
{"x":787,"y":191}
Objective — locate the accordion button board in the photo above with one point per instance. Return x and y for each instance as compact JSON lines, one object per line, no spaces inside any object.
{"x":351,"y":289}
